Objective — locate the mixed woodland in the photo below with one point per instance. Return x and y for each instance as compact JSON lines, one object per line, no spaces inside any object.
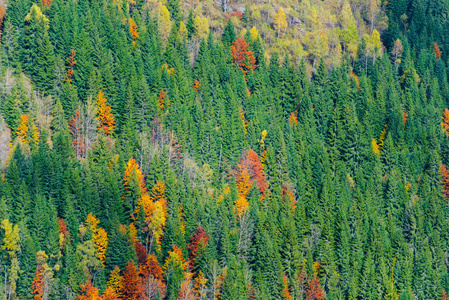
{"x":224,"y":150}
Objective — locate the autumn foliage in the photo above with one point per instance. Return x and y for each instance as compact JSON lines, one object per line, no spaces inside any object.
{"x":99,"y":236}
{"x":198,"y":242}
{"x":132,"y":283}
{"x":132,"y":169}
{"x":115,"y":281}
{"x":437,"y":51}
{"x":27,"y":130}
{"x":314,"y":290}
{"x":445,"y":122}
{"x":105,"y":116}
{"x":133,"y":30}
{"x":154,"y":205}
{"x":445,"y":176}
{"x":242,"y":57}
{"x":38,"y":284}
{"x":88,"y":292}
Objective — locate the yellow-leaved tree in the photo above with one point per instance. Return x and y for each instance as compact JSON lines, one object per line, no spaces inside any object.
{"x":27,"y":130}
{"x":201,"y":27}
{"x":104,"y":115}
{"x":154,"y":207}
{"x":99,"y":237}
{"x":164,"y":21}
{"x":11,"y":243}
{"x":280,"y":22}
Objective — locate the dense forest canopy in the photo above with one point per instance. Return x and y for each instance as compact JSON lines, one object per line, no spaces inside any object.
{"x":224,"y":150}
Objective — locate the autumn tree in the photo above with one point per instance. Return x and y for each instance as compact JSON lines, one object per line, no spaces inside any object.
{"x":175,"y":268}
{"x":133,"y":30}
{"x":445,"y":123}
{"x":115,"y":281}
{"x":252,"y":164}
{"x":104,"y":115}
{"x":99,"y":236}
{"x":43,"y":275}
{"x":88,"y":292}
{"x":154,"y":207}
{"x":280,"y":22}
{"x":437,"y":51}
{"x":11,"y":244}
{"x":132,"y":283}
{"x":242,"y":57}
{"x":153,"y":278}
{"x":198,"y":242}
{"x":314,"y":290}
{"x":27,"y":130}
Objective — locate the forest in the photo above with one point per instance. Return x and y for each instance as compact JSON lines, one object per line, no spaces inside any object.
{"x":224,"y":150}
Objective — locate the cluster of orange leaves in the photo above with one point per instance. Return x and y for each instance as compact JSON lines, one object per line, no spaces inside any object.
{"x":242,"y":57}
{"x":38,"y":284}
{"x":445,"y":122}
{"x":46,"y":4}
{"x":285,"y":289}
{"x":289,"y":196}
{"x":72,"y":62}
{"x":248,"y":171}
{"x":99,"y":236}
{"x":133,"y":30}
{"x":63,"y":233}
{"x":293,"y":119}
{"x":163,"y":100}
{"x":437,"y":51}
{"x":196,"y":86}
{"x":132,"y":169}
{"x":104,"y":115}
{"x":356,"y":78}
{"x":404,"y":117}
{"x":89,"y":292}
{"x":445,"y":176}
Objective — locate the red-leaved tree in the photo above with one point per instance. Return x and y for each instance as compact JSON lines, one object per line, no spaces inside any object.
{"x":242,"y":57}
{"x":198,"y":242}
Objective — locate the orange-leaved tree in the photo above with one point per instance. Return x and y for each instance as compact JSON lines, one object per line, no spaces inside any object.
{"x":104,"y":115}
{"x":437,"y":51}
{"x":72,"y":62}
{"x":132,"y":283}
{"x":133,"y":30}
{"x":153,"y":277}
{"x":242,"y":57}
{"x":133,"y":173}
{"x":314,"y":290}
{"x":253,"y":165}
{"x":88,"y":292}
